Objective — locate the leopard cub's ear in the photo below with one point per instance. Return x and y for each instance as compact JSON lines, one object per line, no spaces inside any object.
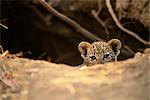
{"x":115,"y":44}
{"x":83,"y":47}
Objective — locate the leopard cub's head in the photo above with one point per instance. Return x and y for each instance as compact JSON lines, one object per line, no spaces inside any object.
{"x":99,"y":52}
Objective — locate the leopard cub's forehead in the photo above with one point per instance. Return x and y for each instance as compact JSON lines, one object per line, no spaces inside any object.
{"x":101,"y":47}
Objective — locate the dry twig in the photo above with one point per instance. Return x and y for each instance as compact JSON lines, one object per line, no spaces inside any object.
{"x":1,"y":49}
{"x":45,"y":19}
{"x":110,"y":9}
{"x":98,"y":19}
{"x":71,"y":22}
{"x":99,"y":7}
{"x":102,"y":23}
{"x":129,"y":49}
{"x":3,"y":26}
{"x":42,"y":55}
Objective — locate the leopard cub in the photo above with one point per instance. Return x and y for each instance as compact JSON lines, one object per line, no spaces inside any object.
{"x":99,"y":52}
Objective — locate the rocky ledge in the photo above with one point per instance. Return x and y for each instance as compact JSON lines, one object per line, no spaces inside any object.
{"x":26,"y":79}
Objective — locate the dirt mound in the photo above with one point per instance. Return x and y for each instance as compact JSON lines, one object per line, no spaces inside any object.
{"x":37,"y":80}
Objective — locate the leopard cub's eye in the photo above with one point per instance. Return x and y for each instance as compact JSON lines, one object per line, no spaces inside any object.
{"x":106,"y":55}
{"x":93,"y":57}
